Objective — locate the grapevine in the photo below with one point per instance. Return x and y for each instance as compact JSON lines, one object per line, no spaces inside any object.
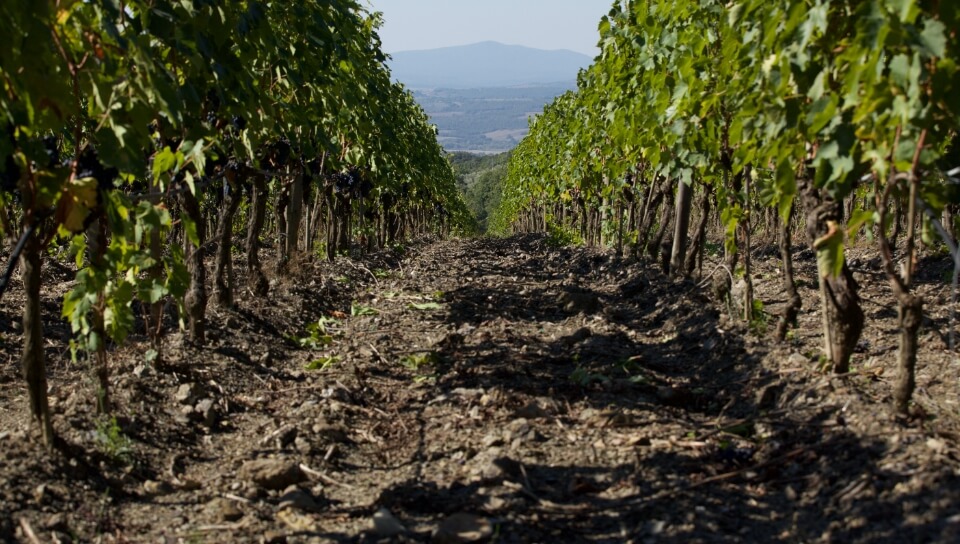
{"x":844,"y":111}
{"x":132,"y":129}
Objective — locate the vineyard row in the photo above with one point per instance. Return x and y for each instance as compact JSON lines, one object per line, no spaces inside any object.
{"x":136,"y":135}
{"x":842,"y":113}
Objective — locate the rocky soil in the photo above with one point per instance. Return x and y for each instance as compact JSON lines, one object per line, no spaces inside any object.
{"x":491,"y":391}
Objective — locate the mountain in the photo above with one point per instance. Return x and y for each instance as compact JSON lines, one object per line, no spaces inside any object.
{"x":485,"y":64}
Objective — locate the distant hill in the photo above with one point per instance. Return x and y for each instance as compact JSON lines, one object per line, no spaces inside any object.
{"x":486,"y":64}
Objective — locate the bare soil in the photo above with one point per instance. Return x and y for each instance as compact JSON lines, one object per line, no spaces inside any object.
{"x":492,"y":390}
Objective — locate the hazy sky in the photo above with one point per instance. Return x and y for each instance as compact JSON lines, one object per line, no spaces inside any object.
{"x":544,"y":24}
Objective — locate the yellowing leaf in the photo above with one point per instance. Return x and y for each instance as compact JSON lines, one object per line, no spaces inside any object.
{"x":78,"y":198}
{"x":62,"y":16}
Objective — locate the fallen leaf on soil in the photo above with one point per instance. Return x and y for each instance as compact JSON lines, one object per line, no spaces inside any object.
{"x":296,"y":522}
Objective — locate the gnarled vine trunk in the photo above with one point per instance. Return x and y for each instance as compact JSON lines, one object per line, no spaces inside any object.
{"x":258,"y":208}
{"x":96,"y":249}
{"x":294,"y":216}
{"x":655,"y":247}
{"x":223,"y":271}
{"x":909,"y":317}
{"x":196,"y":297}
{"x":792,"y":309}
{"x":32,"y":360}
{"x":681,"y":230}
{"x":700,"y":234}
{"x":842,"y":316}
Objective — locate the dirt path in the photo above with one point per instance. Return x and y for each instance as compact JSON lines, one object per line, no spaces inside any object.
{"x":492,"y":389}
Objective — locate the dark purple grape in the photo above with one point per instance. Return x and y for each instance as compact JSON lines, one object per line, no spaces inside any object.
{"x":342,"y":183}
{"x":52,"y":150}
{"x":10,"y":175}
{"x":213,"y":101}
{"x":280,"y":154}
{"x":366,"y":187}
{"x":214,"y":164}
{"x":10,"y":171}
{"x":89,"y":166}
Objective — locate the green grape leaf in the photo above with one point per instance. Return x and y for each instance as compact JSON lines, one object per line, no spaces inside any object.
{"x":190,"y":229}
{"x":786,"y":189}
{"x":934,"y":38}
{"x":860,"y":218}
{"x":903,"y":9}
{"x":164,"y":161}
{"x":426,"y":306}
{"x":322,"y":363}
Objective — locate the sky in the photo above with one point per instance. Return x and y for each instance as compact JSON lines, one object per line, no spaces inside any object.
{"x":543,"y":24}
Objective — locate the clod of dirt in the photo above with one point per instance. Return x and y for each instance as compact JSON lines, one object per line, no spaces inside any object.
{"x":274,"y":537}
{"x":634,"y":287}
{"x":272,"y":474}
{"x":580,"y":335}
{"x":207,"y":411}
{"x":491,"y":465}
{"x":461,"y":528}
{"x":303,"y":445}
{"x":334,"y":433}
{"x":223,"y":510}
{"x":297,"y":499}
{"x":283,"y":437}
{"x":532,"y":410}
{"x":767,"y":396}
{"x":579,"y":302}
{"x":797,"y":360}
{"x":508,"y":468}
{"x":57,"y":522}
{"x":189,"y":394}
{"x":468,"y":395}
{"x":387,"y":526}
{"x":493,"y":439}
{"x":673,"y":396}
{"x":151,"y":487}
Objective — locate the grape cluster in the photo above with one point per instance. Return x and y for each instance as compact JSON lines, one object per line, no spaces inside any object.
{"x":214,"y":164}
{"x":278,"y":153}
{"x":366,"y":187}
{"x":10,"y":173}
{"x":342,"y":183}
{"x":52,"y":149}
{"x":239,"y":122}
{"x":351,"y":184}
